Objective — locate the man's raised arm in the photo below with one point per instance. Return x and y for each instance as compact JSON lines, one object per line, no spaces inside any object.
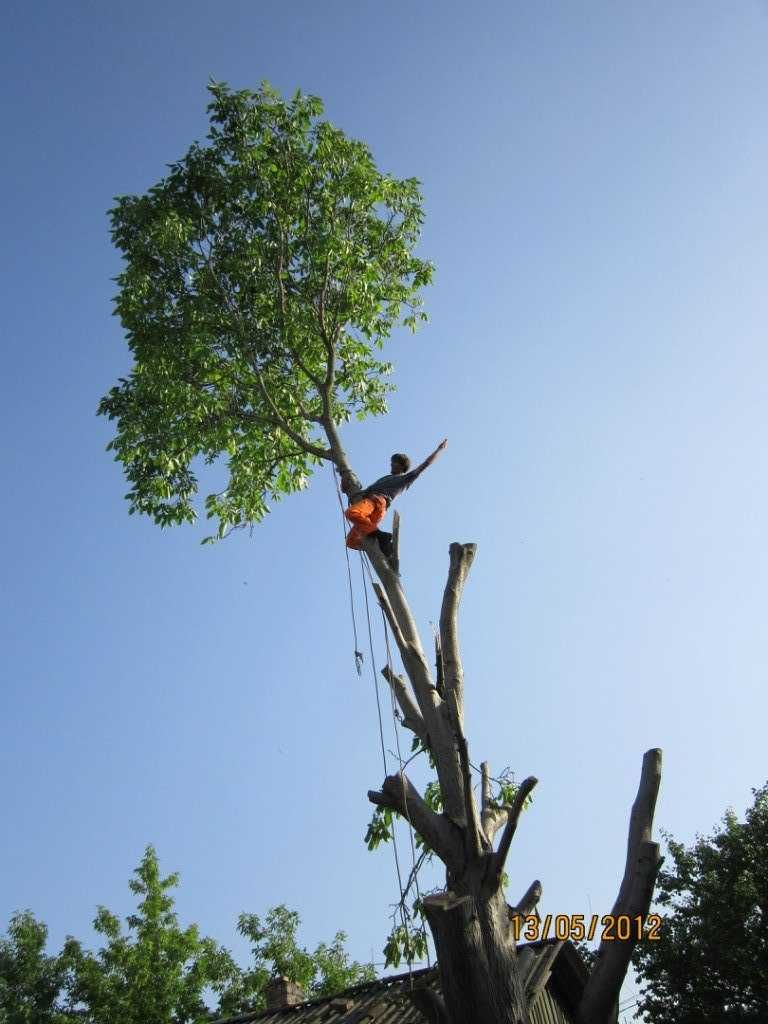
{"x":430,"y":458}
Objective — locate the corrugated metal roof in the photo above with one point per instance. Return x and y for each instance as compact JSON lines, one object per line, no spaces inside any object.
{"x":549,"y":1010}
{"x":386,"y":1001}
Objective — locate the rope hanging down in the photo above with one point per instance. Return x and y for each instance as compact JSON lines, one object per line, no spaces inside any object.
{"x":364,"y":566}
{"x":384,"y":762}
{"x":358,"y":652}
{"x":395,"y":720}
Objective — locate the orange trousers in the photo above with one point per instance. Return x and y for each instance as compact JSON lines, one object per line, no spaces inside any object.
{"x":365,"y":517}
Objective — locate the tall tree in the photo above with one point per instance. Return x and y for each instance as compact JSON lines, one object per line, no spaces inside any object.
{"x":712,"y":964}
{"x":263,"y":275}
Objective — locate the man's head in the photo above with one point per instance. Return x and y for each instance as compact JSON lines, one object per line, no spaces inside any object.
{"x":400,"y":463}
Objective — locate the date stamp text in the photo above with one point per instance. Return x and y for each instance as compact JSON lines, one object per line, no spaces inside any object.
{"x":577,"y":927}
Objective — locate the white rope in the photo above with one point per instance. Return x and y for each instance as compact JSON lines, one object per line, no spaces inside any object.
{"x":358,"y":666}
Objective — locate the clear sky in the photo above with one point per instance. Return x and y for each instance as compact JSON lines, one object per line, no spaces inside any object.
{"x":596,"y":181}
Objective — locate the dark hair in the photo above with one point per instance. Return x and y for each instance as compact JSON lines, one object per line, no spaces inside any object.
{"x":402,"y":460}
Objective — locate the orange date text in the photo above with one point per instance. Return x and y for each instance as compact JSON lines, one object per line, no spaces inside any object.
{"x":577,"y":927}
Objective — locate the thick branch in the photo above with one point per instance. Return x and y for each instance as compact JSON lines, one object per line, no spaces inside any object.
{"x":485,"y":786}
{"x":279,"y":423}
{"x":529,"y":900}
{"x":495,"y":819}
{"x":395,"y":559}
{"x":433,"y":709}
{"x":400,"y":609}
{"x":461,"y":558}
{"x":491,"y":818}
{"x":282,"y":424}
{"x":641,"y":819}
{"x":386,"y":607}
{"x":439,"y":677}
{"x":411,"y":716}
{"x":497,"y":865}
{"x":399,"y":794}
{"x":350,"y":480}
{"x":634,"y":899}
{"x":473,"y":835}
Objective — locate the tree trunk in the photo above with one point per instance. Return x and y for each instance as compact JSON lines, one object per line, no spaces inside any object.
{"x":477,"y":958}
{"x":482,"y":977}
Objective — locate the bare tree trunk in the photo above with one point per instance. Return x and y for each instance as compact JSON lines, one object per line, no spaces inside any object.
{"x":479,"y":973}
{"x":480,"y":970}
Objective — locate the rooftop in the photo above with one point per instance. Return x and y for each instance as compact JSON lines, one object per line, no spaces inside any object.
{"x":554,"y":970}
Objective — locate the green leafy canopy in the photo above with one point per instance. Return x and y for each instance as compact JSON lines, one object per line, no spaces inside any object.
{"x":262,"y":277}
{"x":154,"y":970}
{"x":275,"y":951}
{"x":711,"y":963}
{"x":31,"y":981}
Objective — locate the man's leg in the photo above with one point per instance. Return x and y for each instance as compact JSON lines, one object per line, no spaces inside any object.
{"x":365,"y":517}
{"x":385,"y":542}
{"x":354,"y":539}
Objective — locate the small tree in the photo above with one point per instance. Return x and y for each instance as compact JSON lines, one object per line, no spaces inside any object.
{"x":263,"y":275}
{"x":712,"y":962}
{"x":275,"y":951}
{"x":156,"y":971}
{"x":32,"y":983}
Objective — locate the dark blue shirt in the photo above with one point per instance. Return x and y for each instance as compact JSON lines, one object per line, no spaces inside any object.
{"x":389,"y":486}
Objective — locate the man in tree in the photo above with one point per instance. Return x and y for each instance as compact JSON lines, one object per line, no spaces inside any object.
{"x":368,"y":507}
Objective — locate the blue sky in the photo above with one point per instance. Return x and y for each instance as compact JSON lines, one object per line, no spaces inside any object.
{"x":595,"y":184}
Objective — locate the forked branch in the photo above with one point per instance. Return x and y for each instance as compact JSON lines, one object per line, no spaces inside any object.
{"x":497,"y":864}
{"x":491,"y":817}
{"x":411,"y":715}
{"x":437,"y":830}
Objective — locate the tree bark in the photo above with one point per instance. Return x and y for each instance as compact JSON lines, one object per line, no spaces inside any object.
{"x":437,"y":714}
{"x":477,"y":957}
